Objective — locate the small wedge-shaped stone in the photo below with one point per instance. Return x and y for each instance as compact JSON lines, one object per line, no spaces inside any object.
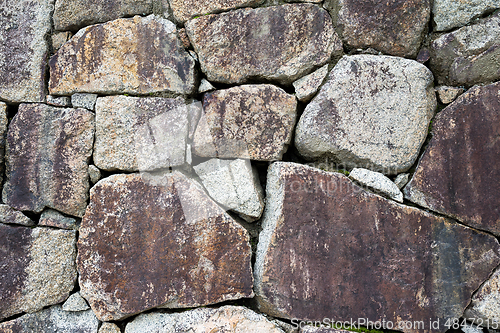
{"x":48,"y":149}
{"x":9,"y":215}
{"x":139,"y":55}
{"x":373,"y":112}
{"x":468,"y":55}
{"x":53,"y":218}
{"x":37,"y":268}
{"x":75,"y":303}
{"x":53,"y":319}
{"x":458,"y":175}
{"x":225,"y":319}
{"x":74,"y":14}
{"x":24,"y":25}
{"x":135,"y":133}
{"x":450,"y":14}
{"x":377,"y":182}
{"x":485,"y":305}
{"x":307,"y":86}
{"x":183,"y":10}
{"x":250,"y":122}
{"x":329,"y":249}
{"x":159,"y":241}
{"x":280,"y":43}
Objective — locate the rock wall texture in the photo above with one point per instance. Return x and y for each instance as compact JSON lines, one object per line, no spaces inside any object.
{"x":261,"y":166}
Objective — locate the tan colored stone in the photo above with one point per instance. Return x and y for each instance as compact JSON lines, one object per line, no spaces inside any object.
{"x":184,"y":10}
{"x":59,"y":38}
{"x":109,"y":328}
{"x":448,"y":94}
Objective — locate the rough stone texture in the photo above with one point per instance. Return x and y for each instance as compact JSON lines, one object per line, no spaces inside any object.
{"x":401,"y":180}
{"x":373,"y":112}
{"x":448,"y":94}
{"x":280,"y":43}
{"x":37,"y":268}
{"x":469,"y":328}
{"x":47,"y":153}
{"x":135,"y":133}
{"x":485,"y":305}
{"x":468,"y":55}
{"x":9,"y":215}
{"x":312,"y":329}
{"x":395,"y":27}
{"x":63,"y":101}
{"x":205,"y":86}
{"x":59,"y":38}
{"x":250,"y":121}
{"x":329,"y":249}
{"x":3,"y":131}
{"x":94,"y":174}
{"x":159,"y":241}
{"x":184,"y":10}
{"x":75,"y":303}
{"x":377,"y":182}
{"x":74,"y":14}
{"x":234,"y":184}
{"x":86,"y":101}
{"x":23,"y":49}
{"x":139,"y":55}
{"x":450,"y":14}
{"x":52,"y":218}
{"x":306,"y":87}
{"x":194,"y":113}
{"x":109,"y":328}
{"x":456,"y":176}
{"x":224,"y":319}
{"x":53,"y":319}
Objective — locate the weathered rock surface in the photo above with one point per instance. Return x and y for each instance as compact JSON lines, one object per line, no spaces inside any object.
{"x":59,"y":38}
{"x":9,"y":215}
{"x":456,"y":175}
{"x":485,"y":305}
{"x":109,"y":328}
{"x":373,"y":112}
{"x":234,"y":184}
{"x":75,"y":303}
{"x":468,"y":55}
{"x":223,"y":319}
{"x":63,"y":101}
{"x":74,"y":14}
{"x":377,"y":182}
{"x":86,"y":101}
{"x":205,"y":86}
{"x":52,"y":218}
{"x":448,"y":94}
{"x":395,"y":27}
{"x":306,"y":87}
{"x":53,"y":319}
{"x":37,"y":268}
{"x":329,"y":249}
{"x":250,"y":121}
{"x":280,"y":43}
{"x":401,"y":180}
{"x":450,"y":14}
{"x":159,"y":241}
{"x":139,"y":55}
{"x":23,"y":49}
{"x":183,"y":10}
{"x":94,"y":174}
{"x":47,"y":153}
{"x":135,"y":133}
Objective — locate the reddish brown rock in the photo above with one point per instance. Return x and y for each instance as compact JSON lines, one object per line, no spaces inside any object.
{"x":250,"y":122}
{"x":329,"y":249}
{"x":278,"y":43}
{"x":458,"y":175}
{"x":159,"y":241}
{"x":48,"y":149}
{"x":394,"y":27}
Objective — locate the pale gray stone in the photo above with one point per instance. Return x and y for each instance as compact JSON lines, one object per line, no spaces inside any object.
{"x":86,"y":101}
{"x":53,"y":218}
{"x":448,"y":94}
{"x":3,"y":131}
{"x":109,"y":328}
{"x":205,"y":86}
{"x":183,"y":10}
{"x":194,"y":113}
{"x":75,"y":303}
{"x":377,"y":182}
{"x":9,"y":215}
{"x":373,"y":112}
{"x":470,"y":328}
{"x":94,"y":174}
{"x":401,"y":180}
{"x":224,"y":319}
{"x":59,"y":38}
{"x":450,"y":14}
{"x":234,"y":184}
{"x":306,"y":87}
{"x":63,"y":101}
{"x":485,"y":304}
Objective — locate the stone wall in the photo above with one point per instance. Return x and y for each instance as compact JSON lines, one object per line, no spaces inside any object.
{"x":249,"y":165}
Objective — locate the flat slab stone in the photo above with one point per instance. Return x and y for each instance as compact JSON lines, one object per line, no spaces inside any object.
{"x":74,"y":14}
{"x":485,"y":305}
{"x":452,"y":177}
{"x":9,"y":215}
{"x":86,"y":101}
{"x":373,"y":112}
{"x":469,"y":55}
{"x":38,"y":268}
{"x":48,"y":149}
{"x":24,"y":49}
{"x":159,"y":241}
{"x":394,"y":27}
{"x":306,"y":87}
{"x":183,"y":10}
{"x":377,"y":182}
{"x":52,"y":218}
{"x":329,"y":249}
{"x":280,"y":43}
{"x":250,"y":122}
{"x":450,"y":14}
{"x":139,"y":55}
{"x":135,"y":133}
{"x":224,"y":319}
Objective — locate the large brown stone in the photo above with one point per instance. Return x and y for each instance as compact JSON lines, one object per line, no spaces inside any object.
{"x":458,"y":174}
{"x":48,"y":149}
{"x":159,"y":241}
{"x":280,"y":43}
{"x":395,"y":27}
{"x":23,"y":49}
{"x":139,"y":55}
{"x":183,"y":10}
{"x":329,"y":249}
{"x":250,"y":122}
{"x":37,"y":268}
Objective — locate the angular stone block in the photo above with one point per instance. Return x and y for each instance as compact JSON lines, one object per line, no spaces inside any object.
{"x":183,"y":10}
